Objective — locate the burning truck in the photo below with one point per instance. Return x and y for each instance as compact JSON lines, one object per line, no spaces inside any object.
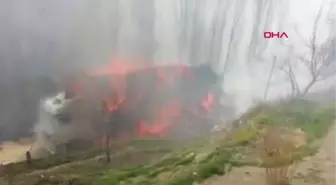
{"x":127,"y":100}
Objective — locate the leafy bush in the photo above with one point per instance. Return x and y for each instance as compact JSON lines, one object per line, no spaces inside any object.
{"x":311,"y":117}
{"x":244,"y":135}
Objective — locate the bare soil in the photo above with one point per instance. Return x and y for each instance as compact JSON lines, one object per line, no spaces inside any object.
{"x":13,"y":151}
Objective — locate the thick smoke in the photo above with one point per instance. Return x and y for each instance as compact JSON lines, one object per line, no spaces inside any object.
{"x":58,"y":38}
{"x":51,"y":111}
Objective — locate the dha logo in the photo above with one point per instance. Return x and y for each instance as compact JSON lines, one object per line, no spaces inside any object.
{"x":271,"y":35}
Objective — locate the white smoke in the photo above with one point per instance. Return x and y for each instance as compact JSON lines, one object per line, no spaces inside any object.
{"x":48,"y":125}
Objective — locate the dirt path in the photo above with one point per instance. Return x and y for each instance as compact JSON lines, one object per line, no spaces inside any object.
{"x":316,"y":170}
{"x":13,"y":152}
{"x":320,"y":169}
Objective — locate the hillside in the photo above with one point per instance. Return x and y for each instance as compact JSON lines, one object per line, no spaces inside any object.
{"x":224,"y":156}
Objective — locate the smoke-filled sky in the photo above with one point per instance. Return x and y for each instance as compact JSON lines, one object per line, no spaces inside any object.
{"x":40,"y":26}
{"x":296,"y":19}
{"x":49,"y":37}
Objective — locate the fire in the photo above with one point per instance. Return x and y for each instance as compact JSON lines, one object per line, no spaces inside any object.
{"x":114,"y":102}
{"x":162,"y":122}
{"x":207,"y":102}
{"x":118,"y":66}
{"x":118,"y":71}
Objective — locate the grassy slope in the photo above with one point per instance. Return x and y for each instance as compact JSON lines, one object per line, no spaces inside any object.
{"x":199,"y":163}
{"x":215,"y":155}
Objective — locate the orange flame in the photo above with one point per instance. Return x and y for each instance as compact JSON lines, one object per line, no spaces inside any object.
{"x":162,"y":122}
{"x":117,"y":72}
{"x":207,"y":102}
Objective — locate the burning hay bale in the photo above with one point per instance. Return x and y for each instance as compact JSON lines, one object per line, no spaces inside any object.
{"x":138,"y":101}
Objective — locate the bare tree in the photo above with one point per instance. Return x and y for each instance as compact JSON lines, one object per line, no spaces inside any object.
{"x":263,"y":18}
{"x":233,"y":34}
{"x":289,"y":70}
{"x":270,"y":78}
{"x":144,"y":20}
{"x":321,"y":57}
{"x":99,"y":41}
{"x":218,"y":24}
{"x":185,"y":20}
{"x":191,"y":30}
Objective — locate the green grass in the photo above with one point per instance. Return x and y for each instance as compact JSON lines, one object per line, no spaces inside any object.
{"x":309,"y":116}
{"x":182,"y":168}
{"x":200,"y":161}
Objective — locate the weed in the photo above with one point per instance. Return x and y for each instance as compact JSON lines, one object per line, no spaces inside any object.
{"x":277,"y":147}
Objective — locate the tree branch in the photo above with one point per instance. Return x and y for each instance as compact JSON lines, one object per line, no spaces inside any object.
{"x":270,"y":77}
{"x":317,"y":61}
